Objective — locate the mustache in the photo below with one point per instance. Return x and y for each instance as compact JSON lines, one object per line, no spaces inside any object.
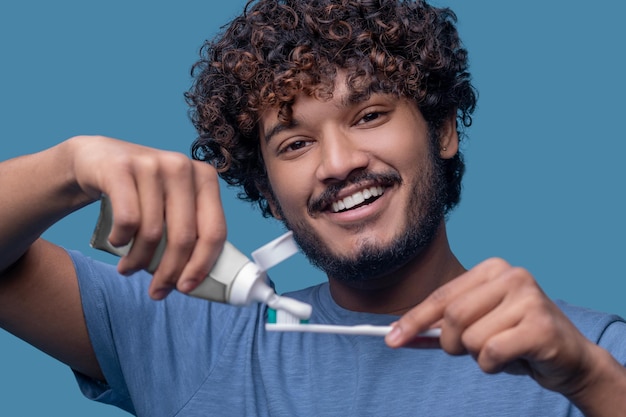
{"x":329,"y":195}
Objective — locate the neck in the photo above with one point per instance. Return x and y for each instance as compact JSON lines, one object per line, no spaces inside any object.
{"x":406,"y":287}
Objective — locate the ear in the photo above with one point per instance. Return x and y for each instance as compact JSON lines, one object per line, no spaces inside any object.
{"x":273,"y":208}
{"x":271,"y":202}
{"x":449,"y":138}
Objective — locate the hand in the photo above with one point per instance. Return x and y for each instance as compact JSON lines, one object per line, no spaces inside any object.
{"x":500,"y":316}
{"x":148,"y":187}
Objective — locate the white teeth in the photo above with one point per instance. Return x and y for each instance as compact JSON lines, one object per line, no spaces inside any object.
{"x":356,"y":198}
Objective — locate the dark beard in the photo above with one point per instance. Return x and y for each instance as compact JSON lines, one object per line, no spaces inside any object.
{"x":424,"y":216}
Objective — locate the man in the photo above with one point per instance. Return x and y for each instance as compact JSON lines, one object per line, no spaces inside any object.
{"x":340,"y":130}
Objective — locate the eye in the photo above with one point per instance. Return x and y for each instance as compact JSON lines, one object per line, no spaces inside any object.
{"x":369,"y":117}
{"x":372,"y":118}
{"x":293,"y":146}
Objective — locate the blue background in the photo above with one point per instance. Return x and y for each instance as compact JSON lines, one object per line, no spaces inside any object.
{"x":544,"y":186}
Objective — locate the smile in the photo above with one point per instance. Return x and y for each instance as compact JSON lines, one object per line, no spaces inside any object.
{"x":357,"y":199}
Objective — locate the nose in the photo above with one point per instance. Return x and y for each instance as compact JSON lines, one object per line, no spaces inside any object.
{"x":340,"y":156}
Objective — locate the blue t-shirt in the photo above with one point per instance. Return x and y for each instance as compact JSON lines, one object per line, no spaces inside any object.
{"x":188,"y":357}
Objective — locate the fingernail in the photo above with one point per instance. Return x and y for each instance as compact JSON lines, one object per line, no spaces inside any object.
{"x":394,"y":335}
{"x":160,"y":294}
{"x":188,"y":285}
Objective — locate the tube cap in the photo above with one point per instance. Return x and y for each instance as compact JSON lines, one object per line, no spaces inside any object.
{"x":275,"y":252}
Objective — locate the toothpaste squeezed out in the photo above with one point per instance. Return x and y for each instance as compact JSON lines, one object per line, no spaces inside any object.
{"x":288,"y":305}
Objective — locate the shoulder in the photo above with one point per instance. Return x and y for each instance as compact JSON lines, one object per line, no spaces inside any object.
{"x":590,"y":322}
{"x":99,"y":280}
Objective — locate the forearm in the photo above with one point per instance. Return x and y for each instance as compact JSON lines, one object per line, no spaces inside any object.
{"x":603,"y":393}
{"x":38,"y":190}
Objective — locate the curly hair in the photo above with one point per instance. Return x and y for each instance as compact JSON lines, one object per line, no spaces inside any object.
{"x":278,"y":49}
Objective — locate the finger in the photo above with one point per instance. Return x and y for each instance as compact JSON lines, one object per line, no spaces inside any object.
{"x":126,"y":210}
{"x":494,"y":307}
{"x":506,"y":348}
{"x":544,"y":337}
{"x":151,"y":227}
{"x":483,"y":310}
{"x":432,"y":309}
{"x":180,"y":217}
{"x":211,"y":227}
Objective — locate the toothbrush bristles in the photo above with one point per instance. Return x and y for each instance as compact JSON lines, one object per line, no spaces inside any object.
{"x":283,"y":316}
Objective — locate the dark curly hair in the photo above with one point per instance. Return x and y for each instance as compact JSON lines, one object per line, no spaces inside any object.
{"x":278,"y":49}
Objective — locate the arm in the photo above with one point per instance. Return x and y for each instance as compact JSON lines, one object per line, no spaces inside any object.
{"x":499,"y":315}
{"x":39,"y":298}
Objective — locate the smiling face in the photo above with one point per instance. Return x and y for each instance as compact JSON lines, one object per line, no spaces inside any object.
{"x":359,"y":184}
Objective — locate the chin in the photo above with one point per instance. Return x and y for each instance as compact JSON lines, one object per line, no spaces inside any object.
{"x":369,"y":264}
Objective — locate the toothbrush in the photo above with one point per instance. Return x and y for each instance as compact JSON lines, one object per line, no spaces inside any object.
{"x":282,"y":321}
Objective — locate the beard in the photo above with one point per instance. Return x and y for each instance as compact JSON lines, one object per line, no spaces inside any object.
{"x":425,"y":211}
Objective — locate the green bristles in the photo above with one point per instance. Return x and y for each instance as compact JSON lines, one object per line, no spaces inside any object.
{"x":274,"y":317}
{"x":271,"y":315}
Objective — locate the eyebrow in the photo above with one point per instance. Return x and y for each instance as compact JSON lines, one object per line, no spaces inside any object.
{"x":277,"y":128}
{"x":281,"y":127}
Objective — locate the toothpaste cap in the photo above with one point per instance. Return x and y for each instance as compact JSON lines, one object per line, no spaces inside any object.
{"x":275,"y":252}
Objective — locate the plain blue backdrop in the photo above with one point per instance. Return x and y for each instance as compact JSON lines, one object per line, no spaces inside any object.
{"x":544,"y":185}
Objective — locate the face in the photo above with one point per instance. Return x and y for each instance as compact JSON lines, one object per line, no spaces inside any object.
{"x":359,"y":184}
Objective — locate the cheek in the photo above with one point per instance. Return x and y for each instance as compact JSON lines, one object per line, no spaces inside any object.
{"x":289,"y":189}
{"x":404,"y":146}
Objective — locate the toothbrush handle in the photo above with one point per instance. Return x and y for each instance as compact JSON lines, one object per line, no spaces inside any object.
{"x":362,"y":329}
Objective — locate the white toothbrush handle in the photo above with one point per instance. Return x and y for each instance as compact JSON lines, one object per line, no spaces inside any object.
{"x":363,"y":329}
